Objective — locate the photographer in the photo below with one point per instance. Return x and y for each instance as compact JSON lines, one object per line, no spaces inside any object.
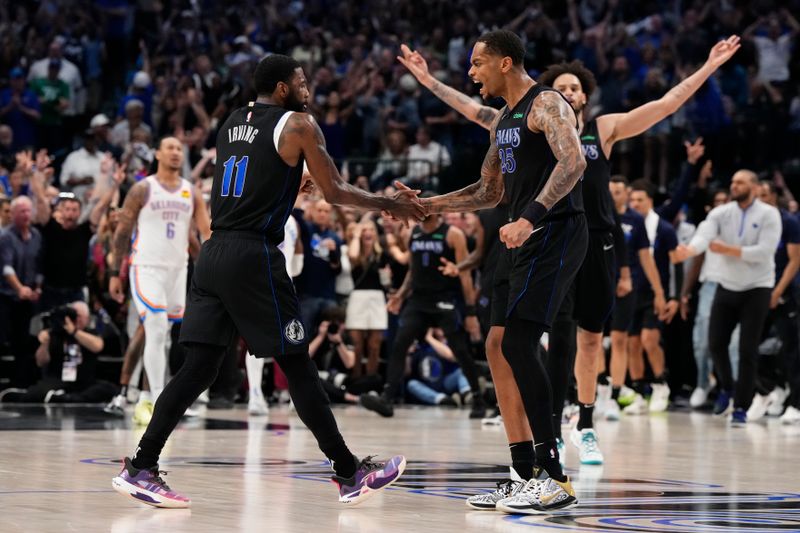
{"x":67,"y":355}
{"x":335,"y":358}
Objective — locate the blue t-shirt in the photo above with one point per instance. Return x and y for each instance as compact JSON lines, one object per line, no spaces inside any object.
{"x":790,"y":234}
{"x":429,"y":368}
{"x":318,"y":278}
{"x":632,"y":224}
{"x":24,"y":126}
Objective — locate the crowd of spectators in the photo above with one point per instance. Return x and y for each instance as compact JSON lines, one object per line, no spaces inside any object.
{"x":88,"y":87}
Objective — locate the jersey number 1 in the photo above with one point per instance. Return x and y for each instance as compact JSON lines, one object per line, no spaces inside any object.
{"x":241,"y":174}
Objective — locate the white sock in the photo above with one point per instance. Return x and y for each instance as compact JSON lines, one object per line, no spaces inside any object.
{"x":255,"y":372}
{"x":156,"y":330}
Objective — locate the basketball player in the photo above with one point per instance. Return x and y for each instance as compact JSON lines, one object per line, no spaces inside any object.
{"x":240,"y":281}
{"x":432,"y":304}
{"x":161,"y":207}
{"x":596,"y":283}
{"x":535,"y":154}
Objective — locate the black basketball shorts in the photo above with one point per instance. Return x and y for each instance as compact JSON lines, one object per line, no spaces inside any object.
{"x":531,"y":281}
{"x":240,"y":284}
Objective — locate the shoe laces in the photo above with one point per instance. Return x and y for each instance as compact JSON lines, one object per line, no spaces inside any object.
{"x":589,"y":442}
{"x":368,"y":463}
{"x":506,"y":486}
{"x":159,"y":480}
{"x":531,"y":488}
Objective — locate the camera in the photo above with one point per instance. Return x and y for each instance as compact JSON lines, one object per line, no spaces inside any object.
{"x":54,"y":319}
{"x":333,"y":328}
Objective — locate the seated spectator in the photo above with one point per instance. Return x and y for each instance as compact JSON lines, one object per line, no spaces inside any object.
{"x":426,"y":159}
{"x":67,"y":355}
{"x":435,"y":374}
{"x":134,"y":115}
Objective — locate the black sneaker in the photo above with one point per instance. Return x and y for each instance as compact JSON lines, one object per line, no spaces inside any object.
{"x":478,"y":408}
{"x":379,"y":404}
{"x":448,"y":401}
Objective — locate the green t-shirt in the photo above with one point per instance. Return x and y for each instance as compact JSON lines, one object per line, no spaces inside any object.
{"x":49,"y":93}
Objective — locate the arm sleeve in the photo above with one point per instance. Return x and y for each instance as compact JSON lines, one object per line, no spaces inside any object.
{"x":707,"y":231}
{"x":768,"y":239}
{"x":670,"y":210}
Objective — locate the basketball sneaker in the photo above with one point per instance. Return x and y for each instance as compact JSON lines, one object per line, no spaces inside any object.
{"x":478,"y":409}
{"x":257,"y":405}
{"x":626,"y":396}
{"x":738,"y":417}
{"x":586,"y":442}
{"x":379,"y":404}
{"x":776,"y":400}
{"x":612,"y":411}
{"x":369,"y":478}
{"x":724,"y":403}
{"x":505,"y":489}
{"x":143,"y":412}
{"x":791,"y":416}
{"x":637,"y":407}
{"x":659,"y":399}
{"x":698,"y":398}
{"x":147,"y":486}
{"x":116,"y":406}
{"x":540,"y":496}
{"x":758,"y":407}
{"x":493,"y":419}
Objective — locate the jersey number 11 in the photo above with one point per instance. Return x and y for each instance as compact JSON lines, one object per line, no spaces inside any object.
{"x":241,"y":174}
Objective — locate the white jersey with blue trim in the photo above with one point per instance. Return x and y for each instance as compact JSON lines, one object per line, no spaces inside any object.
{"x":162,"y":229}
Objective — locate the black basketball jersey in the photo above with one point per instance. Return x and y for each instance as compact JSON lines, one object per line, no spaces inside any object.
{"x":254,"y":189}
{"x":527,"y":160}
{"x":596,"y":196}
{"x":427,"y":249}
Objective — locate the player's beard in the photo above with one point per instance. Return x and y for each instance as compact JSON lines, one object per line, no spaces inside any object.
{"x":293,"y":103}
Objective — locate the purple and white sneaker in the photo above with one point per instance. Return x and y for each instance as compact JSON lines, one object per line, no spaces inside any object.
{"x":370,"y":477}
{"x":146,"y":486}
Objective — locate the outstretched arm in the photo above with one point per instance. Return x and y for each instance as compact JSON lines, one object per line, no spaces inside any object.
{"x":479,"y":114}
{"x":303,"y":131}
{"x":618,"y":126}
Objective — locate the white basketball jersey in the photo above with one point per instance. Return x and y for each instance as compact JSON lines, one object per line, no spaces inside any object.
{"x":162,"y":231}
{"x":291,"y":232}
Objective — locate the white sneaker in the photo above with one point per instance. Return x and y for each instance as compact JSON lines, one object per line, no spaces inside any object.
{"x":791,"y":416}
{"x":505,"y":489}
{"x":525,"y":495}
{"x":776,"y":400}
{"x":637,"y":407}
{"x":494,"y":418}
{"x":257,"y":405}
{"x":540,"y":497}
{"x":758,"y":408}
{"x":612,"y":411}
{"x":659,"y":400}
{"x":698,"y":398}
{"x":570,"y":411}
{"x":586,"y":442}
{"x":626,"y":396}
{"x":116,"y":406}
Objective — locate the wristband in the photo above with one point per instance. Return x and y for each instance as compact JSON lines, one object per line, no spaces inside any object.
{"x":469,"y":310}
{"x":534,"y":212}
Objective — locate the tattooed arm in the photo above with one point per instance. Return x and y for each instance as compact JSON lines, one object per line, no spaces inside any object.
{"x":485,"y":193}
{"x":302,"y":136}
{"x":553,"y":116}
{"x":121,"y":242}
{"x":618,"y":126}
{"x":472,"y":110}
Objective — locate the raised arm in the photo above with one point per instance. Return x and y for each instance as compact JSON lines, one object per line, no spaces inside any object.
{"x":484,"y":193}
{"x":302,"y":136}
{"x":617,"y":126}
{"x":121,"y":242}
{"x":479,"y":114}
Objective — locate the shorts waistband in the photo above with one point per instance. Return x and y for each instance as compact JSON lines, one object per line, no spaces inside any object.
{"x":238,"y":235}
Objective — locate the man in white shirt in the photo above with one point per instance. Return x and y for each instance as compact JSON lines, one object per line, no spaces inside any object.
{"x":134,"y":118}
{"x":774,"y":49}
{"x":81,"y":169}
{"x":745,"y":232}
{"x":426,"y":158}
{"x":68,"y":73}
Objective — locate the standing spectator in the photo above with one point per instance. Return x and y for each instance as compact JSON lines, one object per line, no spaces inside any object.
{"x":81,"y":169}
{"x":66,"y":240}
{"x":426,"y":158}
{"x":783,"y":315}
{"x":20,"y":287}
{"x":19,"y":108}
{"x":775,"y":48}
{"x":5,"y":214}
{"x":66,"y":72}
{"x":54,"y":96}
{"x":134,"y":114}
{"x":367,"y":318}
{"x":746,"y":232}
{"x":322,"y":263}
{"x":393,"y":162}
{"x":141,"y":89}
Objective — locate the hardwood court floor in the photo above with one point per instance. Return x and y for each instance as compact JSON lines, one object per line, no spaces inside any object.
{"x":677,"y":472}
